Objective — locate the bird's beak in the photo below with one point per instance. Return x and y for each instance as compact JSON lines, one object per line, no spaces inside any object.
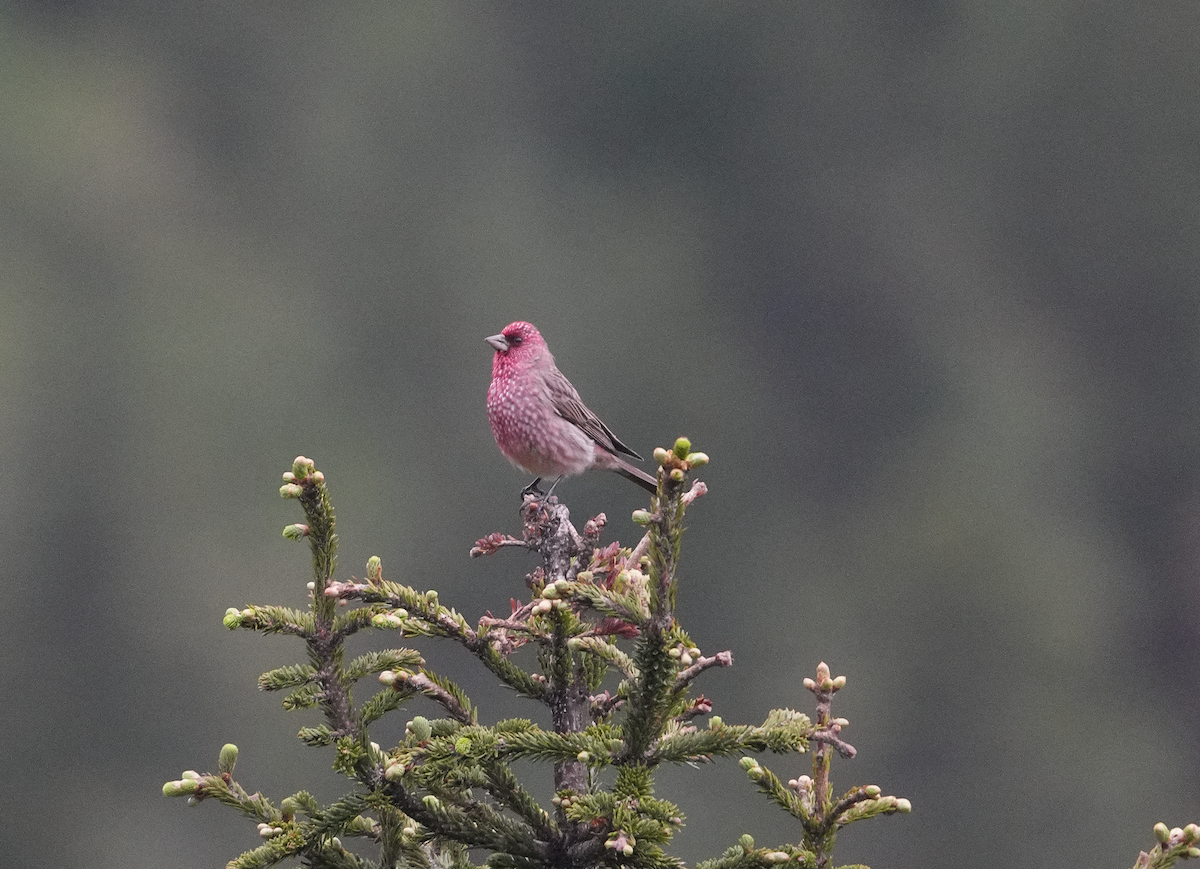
{"x":498,"y":341}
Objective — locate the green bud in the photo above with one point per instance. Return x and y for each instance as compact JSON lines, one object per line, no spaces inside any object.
{"x":584,"y":576}
{"x":318,"y":477}
{"x":174,"y":789}
{"x":1161,"y":832}
{"x":682,"y":447}
{"x":233,"y":618}
{"x":903,"y":806}
{"x":394,"y":773}
{"x":190,"y":774}
{"x":420,"y":728}
{"x":715,"y":722}
{"x":290,"y":490}
{"x":747,"y":841}
{"x":583,"y":757}
{"x":776,"y":857}
{"x":677,"y":475}
{"x":297,"y":531}
{"x":188,"y":785}
{"x":432,"y":803}
{"x":747,"y":763}
{"x":1193,"y":852}
{"x":642,"y":517}
{"x":462,"y":745}
{"x":302,"y":466}
{"x":374,"y":568}
{"x":289,"y":477}
{"x":661,"y":455}
{"x":227,"y":758}
{"x":872,"y":791}
{"x":697,"y":460}
{"x":387,"y":677}
{"x":289,"y":807}
{"x":839,"y":683}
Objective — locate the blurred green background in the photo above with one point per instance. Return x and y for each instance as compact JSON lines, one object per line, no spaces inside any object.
{"x":922,"y":278}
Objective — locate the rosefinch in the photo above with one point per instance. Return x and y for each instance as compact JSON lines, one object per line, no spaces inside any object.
{"x":538,"y":419}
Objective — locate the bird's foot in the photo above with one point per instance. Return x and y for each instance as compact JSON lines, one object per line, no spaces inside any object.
{"x":533,"y":494}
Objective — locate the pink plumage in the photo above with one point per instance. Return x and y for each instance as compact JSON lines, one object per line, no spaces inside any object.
{"x":538,"y":419}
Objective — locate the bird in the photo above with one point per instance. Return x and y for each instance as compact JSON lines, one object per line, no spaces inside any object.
{"x":539,"y":421}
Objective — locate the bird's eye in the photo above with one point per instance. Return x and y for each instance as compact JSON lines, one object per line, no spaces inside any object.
{"x":514,"y":340}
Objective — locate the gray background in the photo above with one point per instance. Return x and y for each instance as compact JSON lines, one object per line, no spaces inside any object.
{"x":920,"y":277}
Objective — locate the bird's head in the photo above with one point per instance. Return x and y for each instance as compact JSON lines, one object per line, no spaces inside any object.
{"x":517,"y":342}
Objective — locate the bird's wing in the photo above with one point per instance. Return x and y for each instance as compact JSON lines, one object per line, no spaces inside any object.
{"x":567,"y":404}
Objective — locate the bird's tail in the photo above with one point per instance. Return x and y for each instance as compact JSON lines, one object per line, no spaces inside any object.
{"x":629,"y":472}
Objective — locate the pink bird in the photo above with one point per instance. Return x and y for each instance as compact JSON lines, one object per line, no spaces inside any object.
{"x":538,"y":419}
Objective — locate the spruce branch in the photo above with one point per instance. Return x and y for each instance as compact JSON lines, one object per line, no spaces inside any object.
{"x":437,"y":688}
{"x":302,"y":698}
{"x":650,"y":698}
{"x":378,"y":662}
{"x":416,"y":613}
{"x":810,"y":798}
{"x":449,"y":787}
{"x":609,"y":652}
{"x":685,"y":677}
{"x":504,"y":787}
{"x":291,"y":676}
{"x":382,"y":703}
{"x":1179,"y":843}
{"x":548,"y":530}
{"x":745,"y":855}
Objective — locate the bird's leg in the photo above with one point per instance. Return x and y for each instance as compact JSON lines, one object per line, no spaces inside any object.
{"x":534,"y":489}
{"x":555,"y":483}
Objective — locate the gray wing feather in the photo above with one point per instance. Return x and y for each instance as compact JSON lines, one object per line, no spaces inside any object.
{"x":567,"y":404}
